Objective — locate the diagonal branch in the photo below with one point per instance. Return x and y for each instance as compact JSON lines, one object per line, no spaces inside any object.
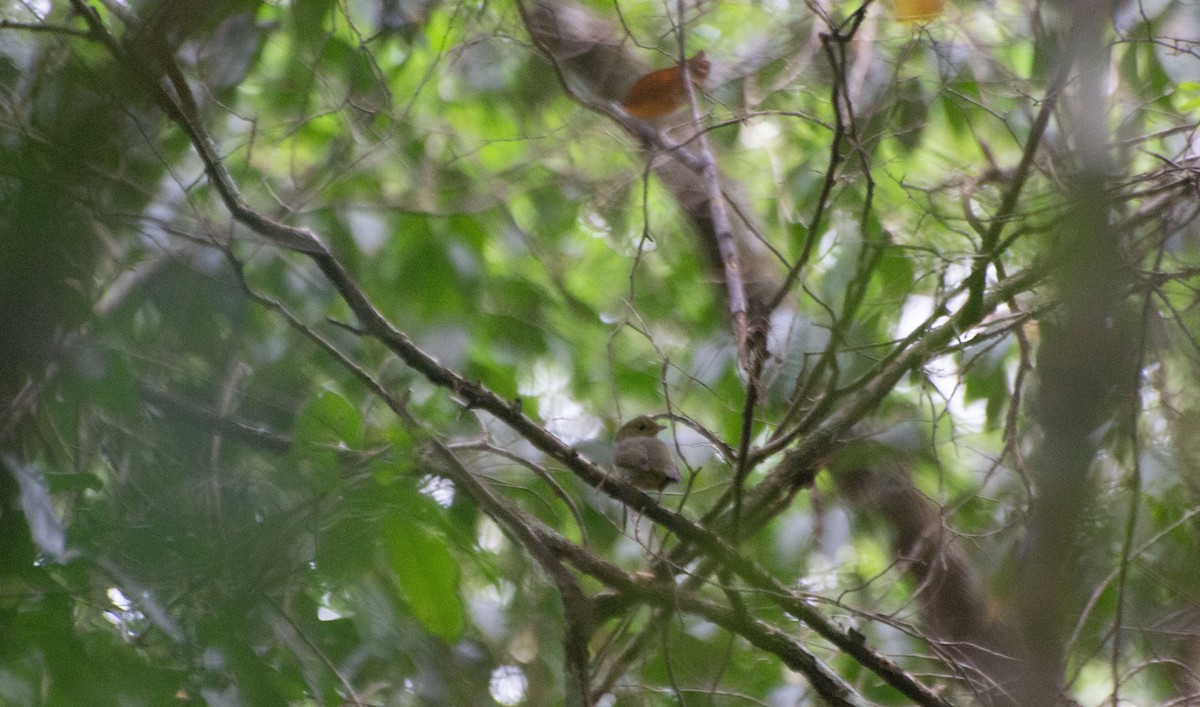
{"x":472,"y":394}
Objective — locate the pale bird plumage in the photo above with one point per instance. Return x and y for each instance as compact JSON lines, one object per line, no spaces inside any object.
{"x":641,"y":458}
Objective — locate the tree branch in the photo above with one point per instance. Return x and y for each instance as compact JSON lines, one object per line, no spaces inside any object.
{"x":476,"y":395}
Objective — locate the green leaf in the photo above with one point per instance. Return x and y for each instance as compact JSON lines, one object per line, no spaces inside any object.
{"x":956,"y":118}
{"x":428,"y":575}
{"x":896,"y":274}
{"x":911,"y":113}
{"x":329,"y":419}
{"x":1187,"y":95}
{"x":328,"y":423}
{"x":310,"y":19}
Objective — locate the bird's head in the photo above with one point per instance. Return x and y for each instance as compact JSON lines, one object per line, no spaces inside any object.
{"x":644,"y":426}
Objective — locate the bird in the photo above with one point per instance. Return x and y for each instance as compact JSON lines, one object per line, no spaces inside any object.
{"x":919,"y":11}
{"x":641,"y":458}
{"x":661,"y":92}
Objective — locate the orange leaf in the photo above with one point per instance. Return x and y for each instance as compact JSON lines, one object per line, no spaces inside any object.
{"x":661,"y":92}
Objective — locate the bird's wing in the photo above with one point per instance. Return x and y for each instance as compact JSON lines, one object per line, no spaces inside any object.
{"x":660,"y":458}
{"x":632,"y":457}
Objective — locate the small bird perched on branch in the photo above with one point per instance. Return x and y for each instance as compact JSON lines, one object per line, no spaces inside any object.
{"x":641,"y":458}
{"x":661,"y":92}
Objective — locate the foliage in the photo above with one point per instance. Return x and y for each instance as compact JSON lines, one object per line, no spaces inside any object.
{"x":315,"y":316}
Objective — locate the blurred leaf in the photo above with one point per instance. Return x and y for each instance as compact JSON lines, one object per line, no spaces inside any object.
{"x":329,"y":420}
{"x":327,"y":424}
{"x":309,"y":21}
{"x":986,"y":380}
{"x":910,"y":113}
{"x":955,"y":115}
{"x":896,"y":274}
{"x":428,"y":575}
{"x":228,"y":56}
{"x":44,"y":524}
